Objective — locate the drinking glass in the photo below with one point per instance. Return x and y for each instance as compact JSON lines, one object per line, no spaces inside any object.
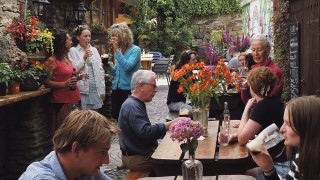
{"x":224,"y":135}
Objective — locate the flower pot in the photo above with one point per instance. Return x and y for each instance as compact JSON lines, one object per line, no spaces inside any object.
{"x":29,"y":84}
{"x":3,"y":89}
{"x":14,"y":88}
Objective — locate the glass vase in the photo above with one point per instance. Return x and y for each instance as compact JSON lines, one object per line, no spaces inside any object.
{"x":192,"y":169}
{"x":201,"y":114}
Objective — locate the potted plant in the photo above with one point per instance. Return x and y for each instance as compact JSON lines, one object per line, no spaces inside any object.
{"x":30,"y":35}
{"x":33,"y":74}
{"x":4,"y":78}
{"x":100,"y":33}
{"x":16,"y":77}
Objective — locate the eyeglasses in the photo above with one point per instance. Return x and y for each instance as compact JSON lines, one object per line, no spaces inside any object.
{"x":154,"y":85}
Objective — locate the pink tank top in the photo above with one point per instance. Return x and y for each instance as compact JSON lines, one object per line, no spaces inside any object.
{"x":64,"y":95}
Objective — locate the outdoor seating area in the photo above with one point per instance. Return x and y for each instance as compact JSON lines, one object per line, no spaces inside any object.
{"x":159,"y":90}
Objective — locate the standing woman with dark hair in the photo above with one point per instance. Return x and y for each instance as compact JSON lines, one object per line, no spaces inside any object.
{"x":127,"y":56}
{"x":63,"y":98}
{"x":302,"y":140}
{"x":87,"y":61}
{"x":175,"y":100}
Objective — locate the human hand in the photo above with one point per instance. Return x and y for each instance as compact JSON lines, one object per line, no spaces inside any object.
{"x":114,"y":43}
{"x":231,"y":138}
{"x":262,"y":159}
{"x":87,"y":54}
{"x":71,"y":82}
{"x":251,"y":102}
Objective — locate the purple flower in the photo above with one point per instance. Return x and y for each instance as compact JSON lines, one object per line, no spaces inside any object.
{"x":184,"y":129}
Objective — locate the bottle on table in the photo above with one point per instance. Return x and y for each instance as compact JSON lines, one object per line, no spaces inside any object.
{"x":73,"y":88}
{"x":226,"y":116}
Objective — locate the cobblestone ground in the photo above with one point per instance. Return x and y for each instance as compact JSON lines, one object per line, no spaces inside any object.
{"x":157,"y":111}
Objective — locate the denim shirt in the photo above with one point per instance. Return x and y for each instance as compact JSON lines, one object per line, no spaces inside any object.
{"x":138,"y":134}
{"x":50,"y":168}
{"x":126,"y":65}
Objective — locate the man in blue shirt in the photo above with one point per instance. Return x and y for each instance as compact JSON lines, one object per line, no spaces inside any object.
{"x":81,"y":146}
{"x":139,"y":136}
{"x":234,"y":53}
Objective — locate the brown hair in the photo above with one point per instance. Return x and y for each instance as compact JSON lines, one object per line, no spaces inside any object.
{"x":262,"y":80}
{"x":185,"y":58}
{"x":304,"y":117}
{"x":87,"y":127}
{"x":77,"y":32}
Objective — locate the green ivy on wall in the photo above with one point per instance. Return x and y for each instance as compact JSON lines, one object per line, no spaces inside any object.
{"x":281,"y":44}
{"x":172,"y":32}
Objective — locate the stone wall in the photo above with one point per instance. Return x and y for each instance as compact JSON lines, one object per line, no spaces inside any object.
{"x":8,"y":10}
{"x":56,"y":15}
{"x":232,"y":23}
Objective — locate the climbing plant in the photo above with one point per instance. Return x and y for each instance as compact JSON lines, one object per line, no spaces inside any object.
{"x":281,"y":45}
{"x":164,"y":25}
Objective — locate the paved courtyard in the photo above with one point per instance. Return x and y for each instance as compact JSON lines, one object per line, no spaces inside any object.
{"x":157,"y":111}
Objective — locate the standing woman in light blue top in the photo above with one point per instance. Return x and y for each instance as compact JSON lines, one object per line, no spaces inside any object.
{"x":87,"y":60}
{"x":127,"y":57}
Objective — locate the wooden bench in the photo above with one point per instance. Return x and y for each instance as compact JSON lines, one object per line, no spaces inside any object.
{"x":134,"y":175}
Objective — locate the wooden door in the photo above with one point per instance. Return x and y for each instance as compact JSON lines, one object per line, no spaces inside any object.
{"x":306,"y":14}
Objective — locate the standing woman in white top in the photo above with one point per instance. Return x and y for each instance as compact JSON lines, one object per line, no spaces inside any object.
{"x":86,"y":59}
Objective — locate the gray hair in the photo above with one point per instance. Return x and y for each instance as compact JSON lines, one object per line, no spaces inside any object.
{"x":141,"y":76}
{"x":124,"y":33}
{"x":265,"y":41}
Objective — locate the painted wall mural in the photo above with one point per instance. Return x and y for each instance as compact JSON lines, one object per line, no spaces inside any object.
{"x":257,"y":18}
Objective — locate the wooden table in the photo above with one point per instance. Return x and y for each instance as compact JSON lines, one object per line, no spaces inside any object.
{"x":146,"y":60}
{"x":231,"y":159}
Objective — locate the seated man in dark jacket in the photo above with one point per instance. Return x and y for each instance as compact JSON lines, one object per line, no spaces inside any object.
{"x":139,"y":136}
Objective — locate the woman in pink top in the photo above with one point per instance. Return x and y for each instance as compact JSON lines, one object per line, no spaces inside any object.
{"x":65,"y":93}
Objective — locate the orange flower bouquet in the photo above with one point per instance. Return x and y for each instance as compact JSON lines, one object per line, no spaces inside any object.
{"x":199,"y":84}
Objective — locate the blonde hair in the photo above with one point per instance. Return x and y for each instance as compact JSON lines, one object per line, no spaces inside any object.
{"x":87,"y":127}
{"x":124,"y":33}
{"x":262,"y":80}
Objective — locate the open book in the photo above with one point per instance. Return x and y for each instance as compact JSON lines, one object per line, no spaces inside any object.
{"x":267,"y":138}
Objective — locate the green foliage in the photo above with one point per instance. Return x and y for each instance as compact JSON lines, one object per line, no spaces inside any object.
{"x":281,"y":45}
{"x":164,"y":25}
{"x":5,"y":72}
{"x":16,"y":76}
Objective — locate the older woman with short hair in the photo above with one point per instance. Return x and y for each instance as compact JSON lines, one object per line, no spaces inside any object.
{"x":261,"y":48}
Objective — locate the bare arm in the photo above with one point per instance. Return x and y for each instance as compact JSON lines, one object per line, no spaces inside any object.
{"x":247,"y":128}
